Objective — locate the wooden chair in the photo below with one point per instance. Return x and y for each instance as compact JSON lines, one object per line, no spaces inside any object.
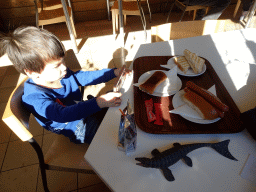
{"x":186,"y":7}
{"x":62,"y":155}
{"x":249,"y":16}
{"x":52,"y":11}
{"x":129,"y":8}
{"x":186,"y":29}
{"x":237,"y":7}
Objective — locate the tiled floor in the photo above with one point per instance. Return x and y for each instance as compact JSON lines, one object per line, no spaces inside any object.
{"x":19,"y":168}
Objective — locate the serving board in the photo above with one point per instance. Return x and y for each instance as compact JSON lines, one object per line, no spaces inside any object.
{"x":173,"y":123}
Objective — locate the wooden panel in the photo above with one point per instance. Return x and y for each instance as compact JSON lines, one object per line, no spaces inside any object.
{"x":17,"y":12}
{"x":89,"y":6}
{"x":90,"y":15}
{"x":16,"y":3}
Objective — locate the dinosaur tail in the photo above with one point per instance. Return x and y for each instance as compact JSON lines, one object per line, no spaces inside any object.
{"x":222,"y":148}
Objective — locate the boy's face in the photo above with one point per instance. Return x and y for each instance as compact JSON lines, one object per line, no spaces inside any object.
{"x":54,"y":71}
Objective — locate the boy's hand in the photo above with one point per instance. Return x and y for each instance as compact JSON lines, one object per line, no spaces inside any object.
{"x":111,"y":99}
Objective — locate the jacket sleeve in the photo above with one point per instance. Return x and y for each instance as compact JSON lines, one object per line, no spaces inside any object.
{"x":49,"y":109}
{"x":85,"y":78}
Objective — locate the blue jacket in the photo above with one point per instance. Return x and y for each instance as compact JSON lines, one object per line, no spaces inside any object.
{"x":60,"y":110}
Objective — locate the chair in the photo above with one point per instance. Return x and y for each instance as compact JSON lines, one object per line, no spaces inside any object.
{"x":186,"y":29}
{"x":247,"y":19}
{"x":237,"y":7}
{"x":186,"y":7}
{"x":17,"y":118}
{"x":52,"y":11}
{"x":129,"y":8}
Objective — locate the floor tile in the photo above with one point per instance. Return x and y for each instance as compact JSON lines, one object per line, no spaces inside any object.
{"x":20,"y":154}
{"x":11,"y":71}
{"x":48,"y":140}
{"x":10,"y":81}
{"x":3,"y":148}
{"x":95,"y":188}
{"x":84,"y":56}
{"x":1,"y":79}
{"x":58,"y":181}
{"x":85,"y":180}
{"x":2,"y":109}
{"x":3,"y":70}
{"x":5,"y":61}
{"x":5,"y":132}
{"x":5,"y":94}
{"x":102,"y":49}
{"x":19,"y":180}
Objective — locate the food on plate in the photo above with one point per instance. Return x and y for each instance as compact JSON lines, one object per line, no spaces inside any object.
{"x":152,"y":82}
{"x":200,"y":105}
{"x":208,"y":96}
{"x":195,"y":62}
{"x":220,"y":113}
{"x":182,"y":63}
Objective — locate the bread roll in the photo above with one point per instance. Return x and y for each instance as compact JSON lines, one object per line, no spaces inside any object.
{"x":156,"y":79}
{"x":200,"y":105}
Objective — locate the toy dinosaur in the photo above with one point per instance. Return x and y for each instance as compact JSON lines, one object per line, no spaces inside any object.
{"x":163,"y":160}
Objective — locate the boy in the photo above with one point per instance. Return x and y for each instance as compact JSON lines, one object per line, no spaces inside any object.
{"x":52,"y":91}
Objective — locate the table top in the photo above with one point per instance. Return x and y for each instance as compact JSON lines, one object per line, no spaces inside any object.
{"x":232,"y":55}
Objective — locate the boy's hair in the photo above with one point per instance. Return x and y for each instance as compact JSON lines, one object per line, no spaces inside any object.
{"x":30,"y":48}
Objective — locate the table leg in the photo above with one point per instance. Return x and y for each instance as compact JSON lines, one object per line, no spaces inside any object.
{"x":70,"y":30}
{"x":108,"y":10}
{"x":114,"y":21}
{"x":121,"y":22}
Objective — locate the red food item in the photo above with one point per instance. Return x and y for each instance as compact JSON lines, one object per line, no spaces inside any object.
{"x":149,"y":108}
{"x":159,"y":115}
{"x":208,"y":96}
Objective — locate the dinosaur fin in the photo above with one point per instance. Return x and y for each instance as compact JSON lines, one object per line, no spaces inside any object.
{"x":168,"y":174}
{"x":177,"y":145}
{"x":155,"y":152}
{"x":222,"y":148}
{"x":188,"y":161}
{"x":166,"y":171}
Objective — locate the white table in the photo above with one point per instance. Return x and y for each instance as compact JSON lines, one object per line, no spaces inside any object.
{"x":211,"y":171}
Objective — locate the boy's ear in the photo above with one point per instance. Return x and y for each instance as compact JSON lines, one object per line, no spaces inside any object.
{"x":31,"y":74}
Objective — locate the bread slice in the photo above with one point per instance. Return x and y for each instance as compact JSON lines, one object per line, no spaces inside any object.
{"x":200,"y":105}
{"x":153,"y":81}
{"x":194,"y":61}
{"x":182,"y":63}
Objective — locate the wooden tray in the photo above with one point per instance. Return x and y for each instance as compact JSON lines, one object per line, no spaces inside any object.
{"x":173,"y":123}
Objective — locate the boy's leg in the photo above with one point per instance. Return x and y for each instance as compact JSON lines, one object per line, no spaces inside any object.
{"x":92,"y":124}
{"x":87,"y":128}
{"x":217,"y":7}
